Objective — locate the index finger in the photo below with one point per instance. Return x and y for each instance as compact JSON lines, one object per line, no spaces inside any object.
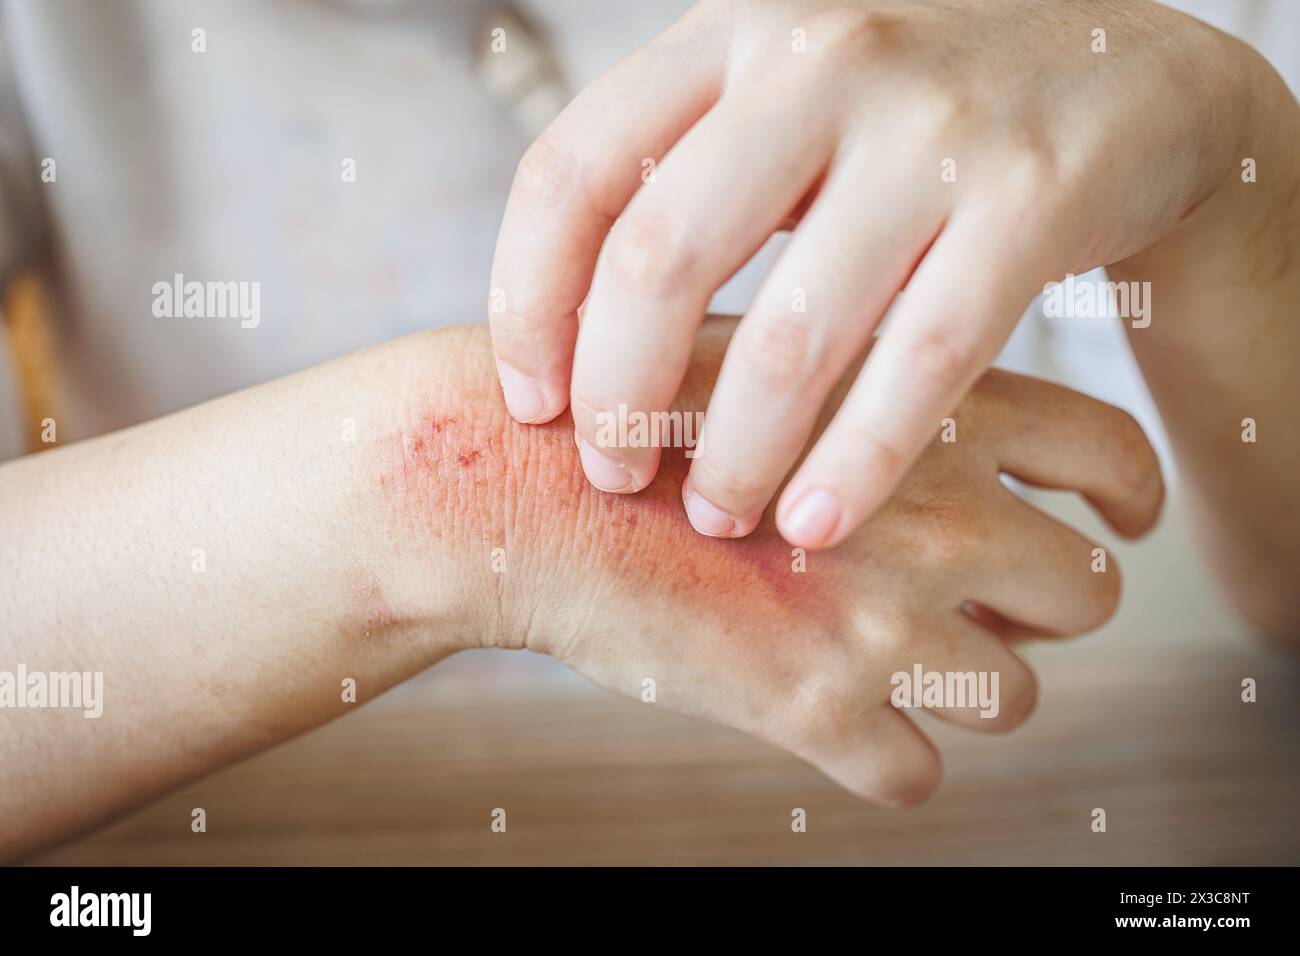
{"x":571,"y":185}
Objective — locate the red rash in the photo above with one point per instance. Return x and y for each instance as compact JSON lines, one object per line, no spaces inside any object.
{"x":490,"y":482}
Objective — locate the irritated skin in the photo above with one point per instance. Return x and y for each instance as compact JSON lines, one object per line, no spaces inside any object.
{"x":229,"y":567}
{"x":456,"y":465}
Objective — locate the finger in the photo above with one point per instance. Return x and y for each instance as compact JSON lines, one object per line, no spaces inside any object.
{"x":1004,"y":628}
{"x":1054,"y":437}
{"x":966,"y":675}
{"x":811,"y":319}
{"x":1047,"y":576}
{"x":958,"y":309}
{"x":570,"y":186}
{"x":713,"y":204}
{"x":865,"y":746}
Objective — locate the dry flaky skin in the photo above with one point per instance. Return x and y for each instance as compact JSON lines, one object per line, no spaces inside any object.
{"x":458,"y":465}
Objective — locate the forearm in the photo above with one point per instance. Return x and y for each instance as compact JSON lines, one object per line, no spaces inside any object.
{"x":1223,"y":346}
{"x":226,"y":569}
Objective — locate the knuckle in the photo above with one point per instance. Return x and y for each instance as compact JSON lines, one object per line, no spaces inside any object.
{"x":820,"y":711}
{"x":896,"y":643}
{"x":1032,"y":172}
{"x":882,"y":462}
{"x":531,"y":346}
{"x":849,"y":32}
{"x":950,"y":529}
{"x":517,"y":328}
{"x":726,"y":486}
{"x":547,"y":174}
{"x":777,"y":351}
{"x":940,"y":358}
{"x":951,"y":107}
{"x":513,"y":340}
{"x":940,"y":105}
{"x":530,"y":337}
{"x":648,"y":255}
{"x":589,"y":408}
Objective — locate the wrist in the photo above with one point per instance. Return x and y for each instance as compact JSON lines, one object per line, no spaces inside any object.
{"x":1247,"y":117}
{"x":1226,"y":74}
{"x":486,"y":532}
{"x":444,"y":482}
{"x":1238,"y":218}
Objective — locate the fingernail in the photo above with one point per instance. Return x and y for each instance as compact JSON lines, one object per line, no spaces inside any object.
{"x":605,"y":473}
{"x":524,"y":398}
{"x":706,"y":517}
{"x":813,"y":518}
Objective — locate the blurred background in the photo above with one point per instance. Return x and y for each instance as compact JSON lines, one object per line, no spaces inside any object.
{"x":225,"y":163}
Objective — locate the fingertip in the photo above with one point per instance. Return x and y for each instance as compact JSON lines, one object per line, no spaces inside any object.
{"x":1138,"y":481}
{"x":1140,"y":513}
{"x":812,"y":518}
{"x":1016,"y":706}
{"x":710,"y":520}
{"x":1109,"y":596}
{"x":913,"y":796}
{"x":911,"y":783}
{"x":1155,"y":504}
{"x":611,"y":475}
{"x":525,"y":398}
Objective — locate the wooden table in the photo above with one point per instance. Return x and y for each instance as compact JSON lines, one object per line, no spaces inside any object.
{"x":1186,"y":772}
{"x":1143,"y":719}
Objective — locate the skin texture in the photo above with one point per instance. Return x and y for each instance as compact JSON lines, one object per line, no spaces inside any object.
{"x":1065,"y":159}
{"x":349,"y":517}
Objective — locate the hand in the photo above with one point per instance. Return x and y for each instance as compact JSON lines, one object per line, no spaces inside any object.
{"x":390,"y":512}
{"x":970,"y":151}
{"x":948,"y":571}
